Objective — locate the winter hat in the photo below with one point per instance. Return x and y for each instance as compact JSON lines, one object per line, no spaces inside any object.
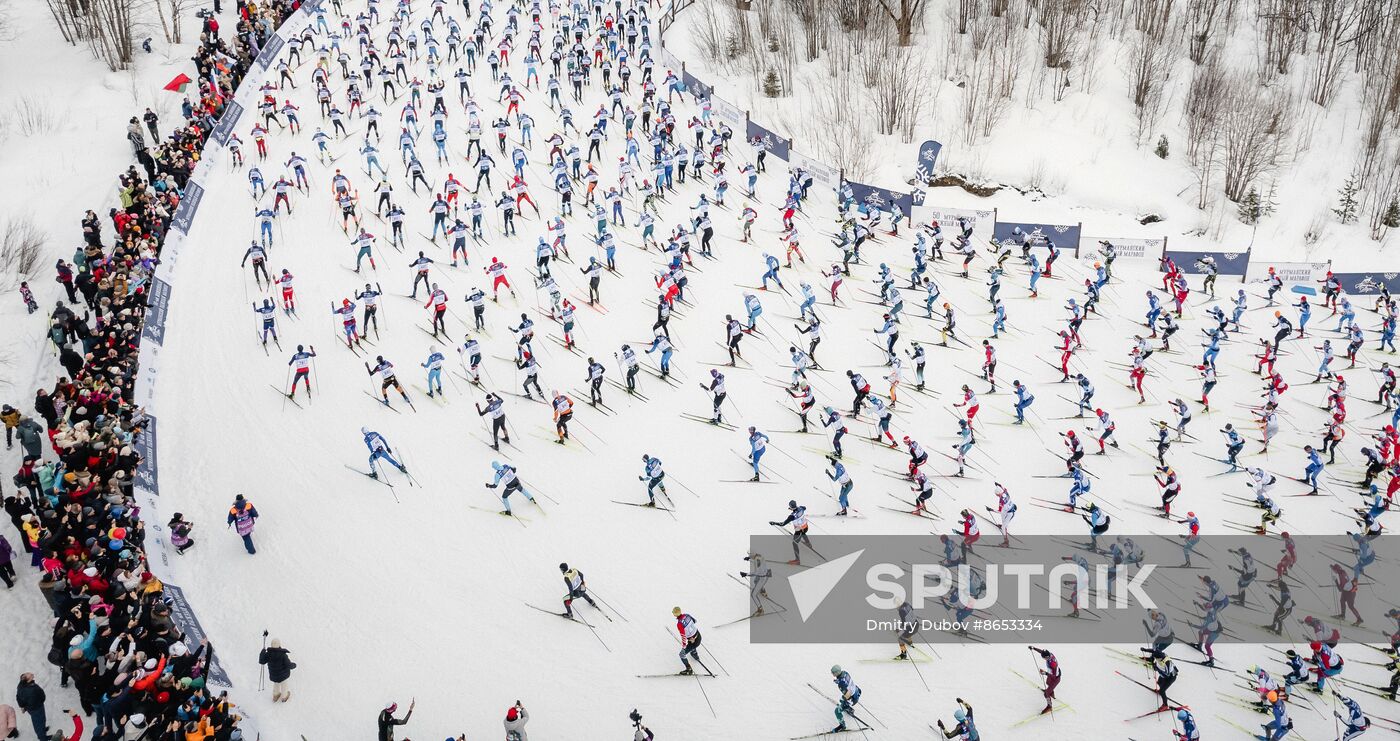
{"x":391,"y":707}
{"x":90,"y":571}
{"x":150,"y":665}
{"x":138,"y":720}
{"x":512,"y":714}
{"x":178,"y":649}
{"x":276,"y":643}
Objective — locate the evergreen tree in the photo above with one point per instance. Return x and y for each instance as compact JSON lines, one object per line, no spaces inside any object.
{"x":1270,"y":203}
{"x":1250,"y":210}
{"x":772,"y":86}
{"x":1346,"y":204}
{"x":1391,"y":218}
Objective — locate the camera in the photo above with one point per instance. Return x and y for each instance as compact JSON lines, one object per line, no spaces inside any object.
{"x":635,"y":716}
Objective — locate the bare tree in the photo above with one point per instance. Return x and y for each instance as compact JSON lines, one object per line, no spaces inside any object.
{"x":1150,"y":60}
{"x":110,"y":31}
{"x":1382,"y":190}
{"x":1202,"y":16}
{"x":899,"y":92}
{"x":967,"y":11}
{"x":1255,"y":125}
{"x":1200,"y":113}
{"x":1338,"y":24}
{"x":990,"y":79}
{"x":70,"y":18}
{"x":907,"y":12}
{"x":21,"y":246}
{"x":1153,"y":17}
{"x":170,"y":13}
{"x":1059,"y":24}
{"x":1282,"y":33}
{"x":1380,"y":98}
{"x":815,"y":20}
{"x":711,"y":32}
{"x":834,"y":130}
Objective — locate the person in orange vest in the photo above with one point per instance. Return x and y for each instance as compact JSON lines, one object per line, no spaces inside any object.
{"x":242,"y":516}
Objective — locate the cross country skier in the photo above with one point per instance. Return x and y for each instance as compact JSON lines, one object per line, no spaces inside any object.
{"x":301,"y":361}
{"x":269,"y":320}
{"x":1189,"y":731}
{"x":1356,"y":721}
{"x":434,"y":367}
{"x":717,"y":394}
{"x":385,"y":370}
{"x":797,"y":516}
{"x":496,"y":271}
{"x":689,"y":631}
{"x":527,"y":364}
{"x":563,"y":411}
{"x":495,"y":410}
{"x":965,"y":730}
{"x":508,"y":482}
{"x":346,"y":310}
{"x":1005,"y":511}
{"x":576,"y":588}
{"x":256,"y":252}
{"x":655,"y":476}
{"x":842,"y":477}
{"x":379,"y":449}
{"x":849,"y":696}
{"x":758,"y":575}
{"x":1051,"y":672}
{"x":370,"y":297}
{"x":758,"y":445}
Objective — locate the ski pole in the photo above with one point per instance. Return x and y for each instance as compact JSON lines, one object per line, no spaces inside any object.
{"x":594,"y":592}
{"x":262,"y":668}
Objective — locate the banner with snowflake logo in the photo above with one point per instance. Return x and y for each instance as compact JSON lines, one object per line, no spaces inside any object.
{"x":928,"y":158}
{"x":778,"y":146}
{"x":1065,"y":236}
{"x":876,"y":197}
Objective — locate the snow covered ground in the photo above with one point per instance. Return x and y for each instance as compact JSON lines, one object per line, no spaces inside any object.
{"x":420,"y":593}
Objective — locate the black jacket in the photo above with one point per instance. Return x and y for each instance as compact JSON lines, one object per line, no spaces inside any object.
{"x":279,"y":664}
{"x":29,"y":697}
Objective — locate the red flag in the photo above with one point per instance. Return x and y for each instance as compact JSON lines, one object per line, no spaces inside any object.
{"x":178,"y":84}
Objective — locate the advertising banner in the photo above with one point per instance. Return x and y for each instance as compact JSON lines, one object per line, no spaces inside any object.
{"x":227,"y":123}
{"x":776,"y":145}
{"x":728,"y":113}
{"x":881,"y":198}
{"x":928,"y":157}
{"x":1288,"y":272}
{"x":1065,"y":236}
{"x":189,"y":205}
{"x":824,"y":176}
{"x":1128,"y":249}
{"x":1229,"y":263}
